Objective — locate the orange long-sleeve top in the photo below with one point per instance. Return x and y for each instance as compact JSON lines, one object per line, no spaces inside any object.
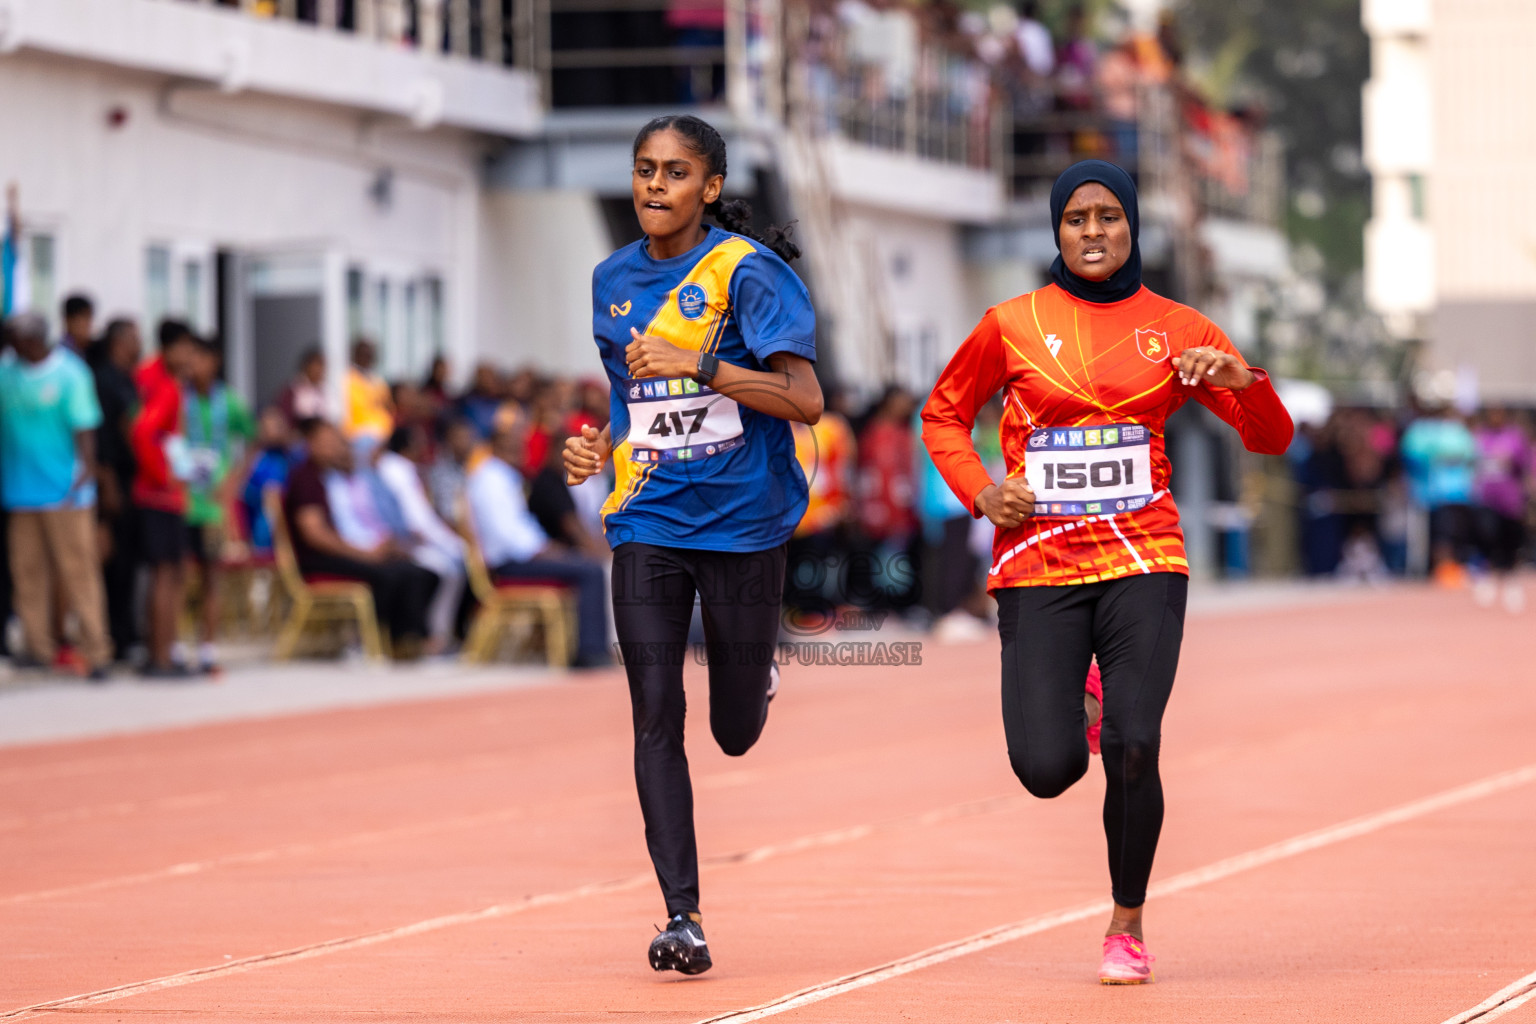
{"x":1066,"y":365}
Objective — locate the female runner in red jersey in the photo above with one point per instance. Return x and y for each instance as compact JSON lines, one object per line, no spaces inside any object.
{"x":1089,"y":557}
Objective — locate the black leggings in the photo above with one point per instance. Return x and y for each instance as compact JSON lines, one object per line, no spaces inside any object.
{"x":1050,"y":635}
{"x":653,"y":592}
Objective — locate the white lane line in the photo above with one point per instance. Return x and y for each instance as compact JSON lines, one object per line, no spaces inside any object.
{"x":1179,"y":883}
{"x":1506,"y":1000}
{"x":819,"y":840}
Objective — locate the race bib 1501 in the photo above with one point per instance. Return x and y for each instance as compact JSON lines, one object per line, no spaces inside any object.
{"x":1099,"y":470}
{"x":677,"y":418}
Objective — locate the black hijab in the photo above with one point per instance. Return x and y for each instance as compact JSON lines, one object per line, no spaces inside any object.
{"x":1126,"y":281}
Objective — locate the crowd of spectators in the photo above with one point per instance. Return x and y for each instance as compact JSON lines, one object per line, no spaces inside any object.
{"x":125,"y":479}
{"x":1434,"y":492}
{"x":127,"y":475}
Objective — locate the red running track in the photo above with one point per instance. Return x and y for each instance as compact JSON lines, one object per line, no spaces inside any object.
{"x":1351,"y":834}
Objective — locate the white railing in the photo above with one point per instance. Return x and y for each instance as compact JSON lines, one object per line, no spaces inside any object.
{"x":481,"y":30}
{"x":881,"y":85}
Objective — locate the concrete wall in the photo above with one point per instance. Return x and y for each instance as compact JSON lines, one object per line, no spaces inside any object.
{"x":199,"y":171}
{"x":220,"y":46}
{"x":1481,"y":207}
{"x":538,"y":251}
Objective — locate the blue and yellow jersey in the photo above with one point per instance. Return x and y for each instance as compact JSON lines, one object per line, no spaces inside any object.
{"x":694,"y":468}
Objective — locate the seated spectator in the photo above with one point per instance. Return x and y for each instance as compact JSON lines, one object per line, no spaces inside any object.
{"x":218,"y":427}
{"x":478,"y":405}
{"x":516,"y":548}
{"x":434,"y":388}
{"x":449,"y":471}
{"x":48,"y":417}
{"x":553,"y":504}
{"x":401,"y":589}
{"x":369,"y":415}
{"x":303,"y":398}
{"x":274,"y":459}
{"x":435,"y":544}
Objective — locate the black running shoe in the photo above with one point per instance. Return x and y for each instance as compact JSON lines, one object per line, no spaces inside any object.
{"x":681,"y":947}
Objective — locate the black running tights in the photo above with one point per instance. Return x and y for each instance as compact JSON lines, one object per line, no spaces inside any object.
{"x":740,"y":597}
{"x":1050,"y":634}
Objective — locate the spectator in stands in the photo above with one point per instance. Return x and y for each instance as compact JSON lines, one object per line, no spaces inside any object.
{"x":1441,"y":455}
{"x":887,"y":460}
{"x":553,"y":504}
{"x":274,"y":459}
{"x":435,"y":544}
{"x":450,"y":470}
{"x":218,"y":429}
{"x":698,"y":25}
{"x":48,"y":417}
{"x":303,"y":398}
{"x":118,"y":357}
{"x":947,"y":564}
{"x":370,"y":411}
{"x":478,"y":405}
{"x":1077,"y":63}
{"x":436,"y":383}
{"x":1501,"y":488}
{"x":79,"y":316}
{"x":161,"y":471}
{"x":401,"y":589}
{"x":516,"y":548}
{"x":1036,"y":49}
{"x":828,"y":457}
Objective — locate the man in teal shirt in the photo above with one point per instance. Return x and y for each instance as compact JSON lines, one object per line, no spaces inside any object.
{"x":48,"y":415}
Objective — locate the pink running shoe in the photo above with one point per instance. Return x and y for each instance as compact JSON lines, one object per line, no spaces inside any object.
{"x":1095,"y":689}
{"x":1126,"y":961}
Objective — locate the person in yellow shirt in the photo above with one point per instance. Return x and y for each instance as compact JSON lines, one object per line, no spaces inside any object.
{"x":369,"y":410}
{"x":828,"y":455}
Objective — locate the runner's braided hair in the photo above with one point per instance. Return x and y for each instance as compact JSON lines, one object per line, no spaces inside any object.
{"x":734,"y":215}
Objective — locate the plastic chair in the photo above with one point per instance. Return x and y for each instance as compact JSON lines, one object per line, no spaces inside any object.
{"x":502,"y":604}
{"x":316,"y":602}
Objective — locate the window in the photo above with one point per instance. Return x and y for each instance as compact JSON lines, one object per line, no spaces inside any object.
{"x":402,"y":312}
{"x":1418,"y":196}
{"x":192,"y":293}
{"x":433,"y":287}
{"x":412,"y":333}
{"x":357,"y":319}
{"x":42,"y":269}
{"x":157,"y":287}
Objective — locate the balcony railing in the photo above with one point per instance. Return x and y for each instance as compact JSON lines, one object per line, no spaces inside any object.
{"x":882,"y":86}
{"x":482,"y":30}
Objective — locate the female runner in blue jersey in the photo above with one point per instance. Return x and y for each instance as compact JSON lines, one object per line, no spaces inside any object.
{"x":707,"y":337}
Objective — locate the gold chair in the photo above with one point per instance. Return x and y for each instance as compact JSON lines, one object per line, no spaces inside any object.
{"x":503,"y":604}
{"x":318,"y":602}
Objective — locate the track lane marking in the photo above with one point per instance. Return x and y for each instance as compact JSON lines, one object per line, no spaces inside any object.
{"x":1221,"y":869}
{"x":801,"y":844}
{"x":1506,"y":1000}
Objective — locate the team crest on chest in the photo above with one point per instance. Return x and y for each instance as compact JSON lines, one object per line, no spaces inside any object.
{"x":1152,"y":344}
{"x":692,"y":301}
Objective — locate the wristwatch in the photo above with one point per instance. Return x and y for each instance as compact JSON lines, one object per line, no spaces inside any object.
{"x":708,"y":367}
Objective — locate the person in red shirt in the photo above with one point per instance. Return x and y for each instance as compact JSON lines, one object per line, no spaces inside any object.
{"x":1089,"y":558}
{"x":160,"y":492}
